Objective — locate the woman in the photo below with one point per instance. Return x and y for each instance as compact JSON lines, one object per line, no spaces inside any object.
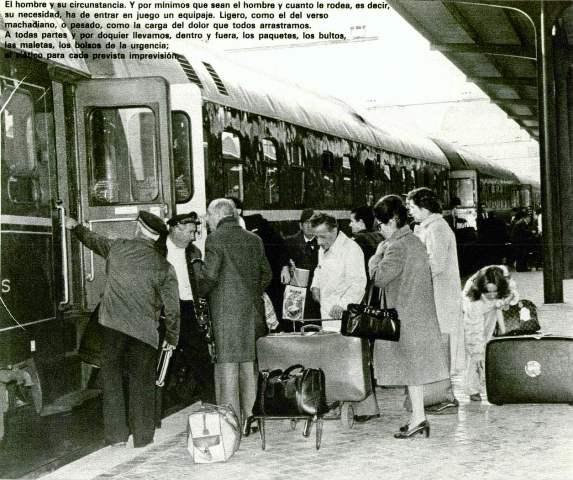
{"x":486,"y":294}
{"x":440,"y":243}
{"x":400,"y":267}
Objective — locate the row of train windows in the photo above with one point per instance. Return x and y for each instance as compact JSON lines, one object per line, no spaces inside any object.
{"x":337,"y":180}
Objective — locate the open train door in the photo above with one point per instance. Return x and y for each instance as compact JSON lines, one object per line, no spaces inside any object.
{"x":124,"y":163}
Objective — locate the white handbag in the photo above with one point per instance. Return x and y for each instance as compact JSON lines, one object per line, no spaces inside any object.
{"x":214,"y":434}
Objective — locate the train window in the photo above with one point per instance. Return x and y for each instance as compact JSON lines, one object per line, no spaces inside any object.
{"x":182,"y":157}
{"x":369,"y":170}
{"x":296,"y":158}
{"x":271,"y":169}
{"x":18,"y":149}
{"x":347,"y":180}
{"x":328,"y":180}
{"x":123,"y":156}
{"x":232,"y":166}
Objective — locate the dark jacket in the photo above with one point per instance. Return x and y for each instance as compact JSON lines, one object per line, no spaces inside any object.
{"x":233,"y":277}
{"x":368,"y":242}
{"x":138,"y":281}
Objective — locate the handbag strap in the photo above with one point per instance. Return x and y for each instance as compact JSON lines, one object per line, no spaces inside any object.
{"x":290,"y":369}
{"x":372,"y":295}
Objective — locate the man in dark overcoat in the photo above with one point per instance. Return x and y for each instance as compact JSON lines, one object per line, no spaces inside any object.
{"x":234,"y":276}
{"x":139,"y":281}
{"x":191,"y":373}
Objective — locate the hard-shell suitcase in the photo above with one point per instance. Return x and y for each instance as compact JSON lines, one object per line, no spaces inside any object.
{"x":529,"y":369}
{"x":344,"y":360}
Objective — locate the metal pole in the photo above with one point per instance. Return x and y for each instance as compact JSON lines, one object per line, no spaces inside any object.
{"x":551,"y":218}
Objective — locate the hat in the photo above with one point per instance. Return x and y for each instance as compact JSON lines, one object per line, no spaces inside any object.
{"x":184,"y":218}
{"x":152,"y":223}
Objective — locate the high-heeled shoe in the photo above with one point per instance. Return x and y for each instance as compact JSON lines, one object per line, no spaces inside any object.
{"x":423,"y":427}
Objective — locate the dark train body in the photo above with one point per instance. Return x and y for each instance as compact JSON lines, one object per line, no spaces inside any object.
{"x":103,"y":140}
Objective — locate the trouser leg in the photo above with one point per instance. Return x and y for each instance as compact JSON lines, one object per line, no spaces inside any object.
{"x":247,"y":388}
{"x":141,"y":369}
{"x":114,"y":417}
{"x":227,"y":385}
{"x":473,"y":384}
{"x":368,"y":406}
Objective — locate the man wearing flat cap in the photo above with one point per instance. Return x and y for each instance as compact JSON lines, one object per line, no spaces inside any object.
{"x":191,"y":363}
{"x":139,"y":280}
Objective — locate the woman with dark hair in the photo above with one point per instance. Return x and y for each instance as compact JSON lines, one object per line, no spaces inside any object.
{"x":440,"y":243}
{"x":486,"y":294}
{"x":400,"y":267}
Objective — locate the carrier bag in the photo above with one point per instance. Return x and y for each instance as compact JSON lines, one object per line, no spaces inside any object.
{"x":529,"y":369}
{"x":292,"y":392}
{"x":344,"y":360}
{"x":213,"y":433}
{"x":520,"y":319}
{"x":90,"y":347}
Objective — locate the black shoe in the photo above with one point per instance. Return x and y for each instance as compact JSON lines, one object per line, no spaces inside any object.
{"x":445,"y":408}
{"x":404,"y":428}
{"x":422,"y":428}
{"x":365,"y":418}
{"x":249,"y":428}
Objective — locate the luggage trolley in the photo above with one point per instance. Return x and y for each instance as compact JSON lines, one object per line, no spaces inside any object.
{"x":346,"y":362}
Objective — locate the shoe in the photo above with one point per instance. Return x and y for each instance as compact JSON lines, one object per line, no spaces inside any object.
{"x":365,"y":418}
{"x":422,"y":428}
{"x":404,"y":428}
{"x":445,"y":408}
{"x":475,"y":397}
{"x":249,"y":428}
{"x":118,"y":445}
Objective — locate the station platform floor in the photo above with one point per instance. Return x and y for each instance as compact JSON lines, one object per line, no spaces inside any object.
{"x":482,"y":441}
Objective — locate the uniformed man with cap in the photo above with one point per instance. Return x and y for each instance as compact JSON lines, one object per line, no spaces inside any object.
{"x":192,"y":365}
{"x":139,"y":280}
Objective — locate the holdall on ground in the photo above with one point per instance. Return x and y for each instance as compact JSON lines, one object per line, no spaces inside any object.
{"x":520,"y":319}
{"x":529,"y":369}
{"x":344,"y":360}
{"x":213,"y":433}
{"x":437,"y":393}
{"x":294,"y":391}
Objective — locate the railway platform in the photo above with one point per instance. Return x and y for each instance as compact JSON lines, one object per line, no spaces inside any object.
{"x":526,"y":442}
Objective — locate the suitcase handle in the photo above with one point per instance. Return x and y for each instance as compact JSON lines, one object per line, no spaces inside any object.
{"x":306,"y":328}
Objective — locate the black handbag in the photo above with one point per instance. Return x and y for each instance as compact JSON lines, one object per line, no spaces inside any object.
{"x":365,"y":320}
{"x":292,"y":392}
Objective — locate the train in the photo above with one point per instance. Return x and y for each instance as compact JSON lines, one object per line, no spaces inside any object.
{"x":101,"y":140}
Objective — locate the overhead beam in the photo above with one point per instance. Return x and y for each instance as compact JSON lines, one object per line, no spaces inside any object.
{"x":506,"y":81}
{"x":521,"y":116}
{"x":525,"y":102}
{"x":485,"y":49}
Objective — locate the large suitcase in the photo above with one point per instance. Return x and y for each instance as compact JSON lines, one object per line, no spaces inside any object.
{"x":344,"y":360}
{"x":529,"y":369}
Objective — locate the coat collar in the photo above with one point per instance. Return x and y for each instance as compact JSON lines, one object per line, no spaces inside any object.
{"x":431,"y":219}
{"x":227,"y":222}
{"x":401,"y":232}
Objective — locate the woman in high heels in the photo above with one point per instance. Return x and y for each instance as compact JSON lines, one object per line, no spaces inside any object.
{"x":401,"y":269}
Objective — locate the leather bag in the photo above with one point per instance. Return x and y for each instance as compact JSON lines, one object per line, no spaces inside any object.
{"x":292,"y":392}
{"x":519,"y":319}
{"x":370,"y":320}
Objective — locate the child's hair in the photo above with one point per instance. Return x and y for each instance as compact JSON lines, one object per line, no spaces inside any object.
{"x":493,"y":274}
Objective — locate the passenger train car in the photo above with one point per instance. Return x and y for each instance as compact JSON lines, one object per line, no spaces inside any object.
{"x":103,"y":140}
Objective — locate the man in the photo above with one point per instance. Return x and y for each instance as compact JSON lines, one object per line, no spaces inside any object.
{"x":195,"y":375}
{"x":339,"y":279}
{"x":139,"y":280}
{"x":362,"y":224}
{"x":302,"y":252}
{"x":234,"y":276}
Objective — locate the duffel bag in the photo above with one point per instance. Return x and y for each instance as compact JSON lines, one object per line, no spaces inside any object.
{"x":294,"y":391}
{"x":213,"y":433}
{"x":519,"y":319}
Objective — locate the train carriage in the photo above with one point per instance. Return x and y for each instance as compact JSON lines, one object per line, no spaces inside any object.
{"x":102,"y":140}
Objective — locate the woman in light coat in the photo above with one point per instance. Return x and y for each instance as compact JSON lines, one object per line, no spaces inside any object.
{"x":440,"y":243}
{"x":401,"y":268}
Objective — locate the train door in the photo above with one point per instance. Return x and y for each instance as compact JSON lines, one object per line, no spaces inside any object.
{"x":464,"y":187}
{"x":188,"y":153}
{"x":123,"y":139}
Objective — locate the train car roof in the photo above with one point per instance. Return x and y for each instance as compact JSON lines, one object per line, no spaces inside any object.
{"x":463,"y":159}
{"x":228,"y":83}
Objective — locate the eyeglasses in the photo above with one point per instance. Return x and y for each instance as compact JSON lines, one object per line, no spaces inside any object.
{"x":379,"y":226}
